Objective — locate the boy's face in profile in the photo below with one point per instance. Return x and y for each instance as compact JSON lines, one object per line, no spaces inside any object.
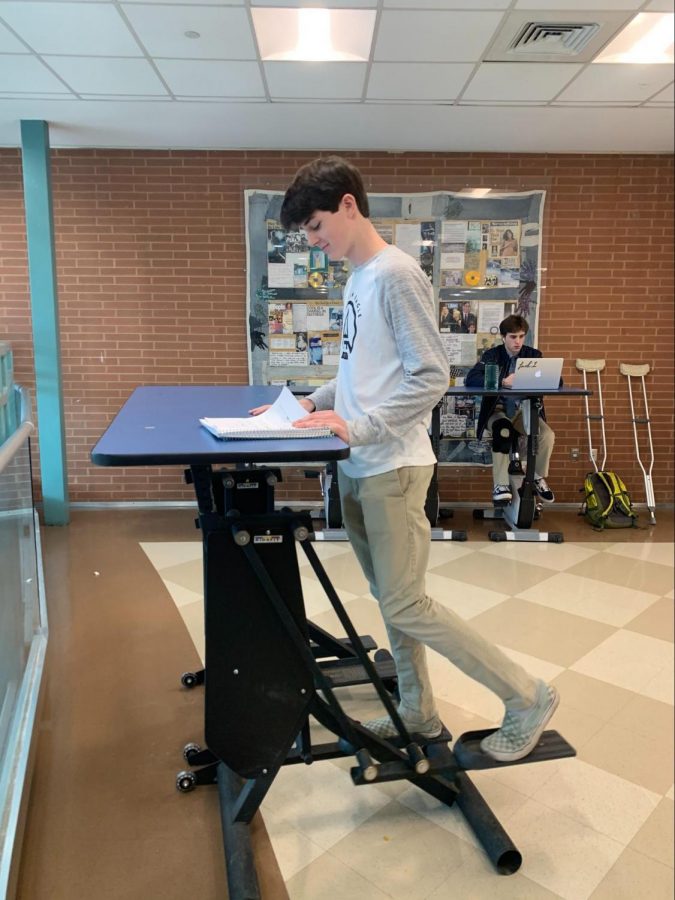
{"x":514,"y":341}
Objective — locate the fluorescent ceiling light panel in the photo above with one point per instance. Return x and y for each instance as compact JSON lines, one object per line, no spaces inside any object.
{"x":313,"y":34}
{"x":648,"y":38}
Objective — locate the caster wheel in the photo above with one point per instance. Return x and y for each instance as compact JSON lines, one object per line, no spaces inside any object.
{"x":188,"y":679}
{"x":478,"y":513}
{"x":186,"y":782}
{"x":497,"y":536}
{"x":190,"y":751}
{"x":556,"y":538}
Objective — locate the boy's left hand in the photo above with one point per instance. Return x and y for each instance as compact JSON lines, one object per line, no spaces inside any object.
{"x":325,"y":417}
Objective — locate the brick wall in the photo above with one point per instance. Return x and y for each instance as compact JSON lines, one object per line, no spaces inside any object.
{"x":151,"y":272}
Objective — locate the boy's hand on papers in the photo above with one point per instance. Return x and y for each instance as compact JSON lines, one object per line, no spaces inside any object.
{"x":325,"y":417}
{"x":508,"y":381}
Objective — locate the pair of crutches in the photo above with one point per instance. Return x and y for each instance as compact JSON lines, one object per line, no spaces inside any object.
{"x":588,"y":366}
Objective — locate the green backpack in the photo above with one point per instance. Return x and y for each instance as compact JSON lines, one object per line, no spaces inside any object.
{"x":607,"y":502}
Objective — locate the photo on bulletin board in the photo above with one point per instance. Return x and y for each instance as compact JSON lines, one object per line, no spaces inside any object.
{"x":481,"y":254}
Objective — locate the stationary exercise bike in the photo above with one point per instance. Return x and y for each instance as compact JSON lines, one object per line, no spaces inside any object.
{"x":524,"y":507}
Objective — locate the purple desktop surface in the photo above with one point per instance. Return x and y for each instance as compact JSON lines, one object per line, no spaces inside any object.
{"x":159,"y":426}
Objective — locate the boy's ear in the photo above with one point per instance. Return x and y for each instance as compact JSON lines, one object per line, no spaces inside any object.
{"x":349,"y":204}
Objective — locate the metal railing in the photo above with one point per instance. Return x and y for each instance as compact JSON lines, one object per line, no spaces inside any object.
{"x":23,"y":630}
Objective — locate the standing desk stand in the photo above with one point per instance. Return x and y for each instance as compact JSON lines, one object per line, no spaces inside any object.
{"x":263,"y":681}
{"x":520,"y":513}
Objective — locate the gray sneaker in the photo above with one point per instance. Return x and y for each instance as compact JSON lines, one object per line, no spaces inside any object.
{"x":521,"y":729}
{"x":385,"y":728}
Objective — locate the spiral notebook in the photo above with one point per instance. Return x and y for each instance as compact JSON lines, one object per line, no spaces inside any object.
{"x":276,"y":423}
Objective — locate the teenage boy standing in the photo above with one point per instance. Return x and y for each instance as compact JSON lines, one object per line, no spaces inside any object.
{"x":392,"y":372}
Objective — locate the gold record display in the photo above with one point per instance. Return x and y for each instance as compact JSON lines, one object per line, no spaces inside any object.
{"x":315,"y":279}
{"x":472,"y":278}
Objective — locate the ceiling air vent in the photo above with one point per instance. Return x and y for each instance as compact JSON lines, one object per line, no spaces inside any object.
{"x":561,"y":39}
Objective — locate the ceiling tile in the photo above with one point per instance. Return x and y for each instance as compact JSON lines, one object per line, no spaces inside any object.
{"x":99,"y":75}
{"x":26,"y":74}
{"x":69,"y":27}
{"x":9,"y":43}
{"x":667,"y":96}
{"x":417,"y":81}
{"x":225,"y":32}
{"x":211,"y":78}
{"x":328,"y":4}
{"x":449,"y":4}
{"x":520,"y":81}
{"x":660,"y":6}
{"x":618,"y":81}
{"x":319,"y":81}
{"x":581,"y":5}
{"x":434,"y":36}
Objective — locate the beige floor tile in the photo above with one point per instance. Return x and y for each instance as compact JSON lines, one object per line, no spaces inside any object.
{"x":621,"y":569}
{"x":671,"y":792}
{"x":322,"y":802}
{"x":662,"y":553}
{"x":502,"y":799}
{"x":476,"y":880}
{"x":650,"y":718}
{"x":551,"y":556}
{"x":328,"y":878}
{"x":293,"y":849}
{"x":316,"y":599}
{"x":655,"y":839}
{"x":365,"y":616}
{"x":327,"y":550}
{"x":189,"y":574}
{"x":182,"y":596}
{"x":537,"y":667}
{"x":344,"y":573}
{"x":584,"y":596}
{"x":442,"y":552}
{"x":505,"y":576}
{"x":164,"y":554}
{"x":631,"y":756}
{"x":629,"y":660}
{"x":598,"y":799}
{"x":656,"y":621}
{"x":559,"y":853}
{"x":575,"y":726}
{"x":662,"y":685}
{"x":545,"y":633}
{"x":393,"y":849}
{"x":467,"y":600}
{"x":592,"y":696}
{"x":633,"y":876}
{"x":453,"y":686}
{"x":525,"y":779}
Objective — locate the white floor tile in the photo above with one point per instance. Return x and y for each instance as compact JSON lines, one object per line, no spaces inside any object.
{"x":627,"y":659}
{"x":662,"y":553}
{"x":559,"y":853}
{"x":467,"y":600}
{"x":182,"y":596}
{"x":292,"y":849}
{"x":599,"y":800}
{"x":163,"y":554}
{"x":551,"y":556}
{"x":614,"y":605}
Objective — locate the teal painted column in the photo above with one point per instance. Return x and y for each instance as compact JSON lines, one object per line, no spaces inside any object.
{"x":45,"y":313}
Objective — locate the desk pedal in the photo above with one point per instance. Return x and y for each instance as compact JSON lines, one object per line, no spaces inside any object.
{"x":367,"y":640}
{"x":443,"y":738}
{"x":469,"y":755}
{"x":345,"y":672}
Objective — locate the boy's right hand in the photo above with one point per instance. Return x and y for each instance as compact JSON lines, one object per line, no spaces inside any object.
{"x":508,"y":381}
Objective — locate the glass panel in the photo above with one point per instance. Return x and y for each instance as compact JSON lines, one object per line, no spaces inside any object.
{"x":19,"y":596}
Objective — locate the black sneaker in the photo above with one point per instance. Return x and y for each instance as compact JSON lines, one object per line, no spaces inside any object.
{"x":543,"y":490}
{"x":501,"y":493}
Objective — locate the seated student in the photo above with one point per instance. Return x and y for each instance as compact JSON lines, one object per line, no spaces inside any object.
{"x":501,"y":416}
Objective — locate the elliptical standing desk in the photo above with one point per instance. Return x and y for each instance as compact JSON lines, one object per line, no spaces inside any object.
{"x":264,"y":679}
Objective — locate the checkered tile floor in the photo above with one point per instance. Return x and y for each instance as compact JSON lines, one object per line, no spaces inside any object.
{"x":597,"y":621}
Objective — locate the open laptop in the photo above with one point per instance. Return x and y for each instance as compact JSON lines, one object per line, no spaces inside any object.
{"x":537,"y":373}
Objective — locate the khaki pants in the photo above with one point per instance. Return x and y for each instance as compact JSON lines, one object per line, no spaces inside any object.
{"x":390,"y":534}
{"x":545,"y":443}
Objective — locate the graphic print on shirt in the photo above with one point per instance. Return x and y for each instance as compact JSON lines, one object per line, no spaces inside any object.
{"x":349,"y":327}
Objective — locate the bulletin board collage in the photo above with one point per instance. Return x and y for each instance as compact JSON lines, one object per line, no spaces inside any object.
{"x":480,"y":253}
